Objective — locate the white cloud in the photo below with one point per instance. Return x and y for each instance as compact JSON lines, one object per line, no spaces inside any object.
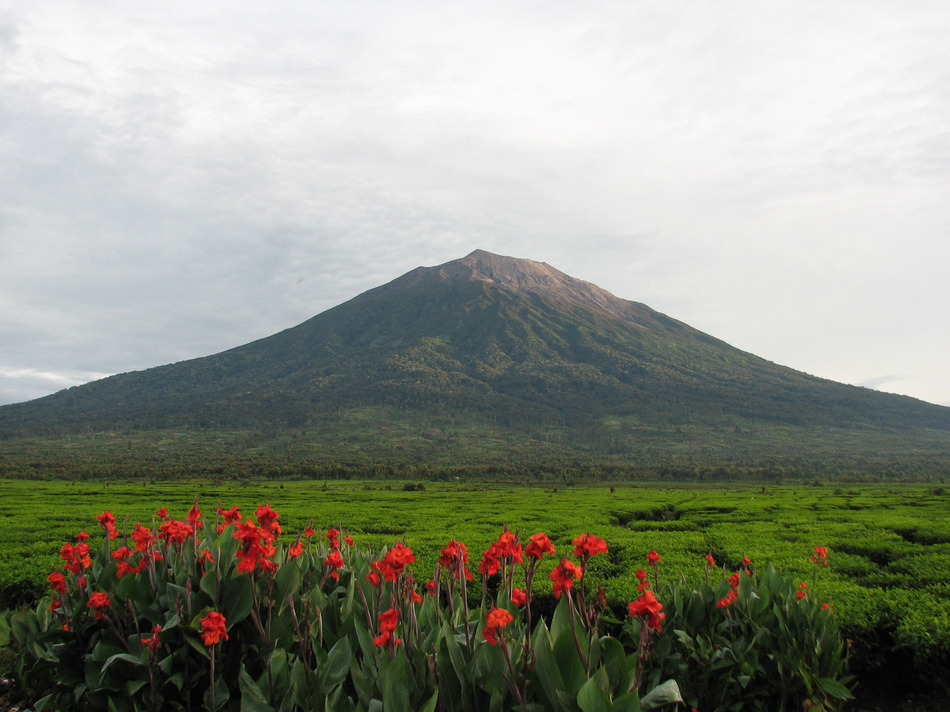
{"x":180,"y":178}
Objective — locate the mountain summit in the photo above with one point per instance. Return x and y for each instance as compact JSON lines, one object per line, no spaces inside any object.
{"x":511,"y":345}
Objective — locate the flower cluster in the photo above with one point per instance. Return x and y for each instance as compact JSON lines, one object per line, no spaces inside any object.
{"x":213,"y":628}
{"x":496,"y":619}
{"x":388,"y":620}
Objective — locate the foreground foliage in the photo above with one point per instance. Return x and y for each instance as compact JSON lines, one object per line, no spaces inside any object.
{"x":228,"y":613}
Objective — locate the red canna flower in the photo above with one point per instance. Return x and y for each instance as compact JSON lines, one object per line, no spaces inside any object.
{"x":416,"y":597}
{"x":497,"y":618}
{"x":142,"y":536}
{"x":309,"y":531}
{"x":642,"y":578}
{"x":653,"y":558}
{"x":205,"y":557}
{"x":162,"y":513}
{"x":800,"y":594}
{"x":152,"y":642}
{"x":348,"y":539}
{"x":518,"y":597}
{"x":57,"y":582}
{"x":334,"y":562}
{"x":230,"y":516}
{"x":97,"y":602}
{"x":194,"y":514}
{"x":647,"y":607}
{"x":821,"y":555}
{"x":538,"y":545}
{"x":267,"y":519}
{"x":710,"y":560}
{"x":333,"y":536}
{"x":295,"y":550}
{"x":564,"y":576}
{"x":589,"y":545}
{"x":107,"y":522}
{"x":453,"y":558}
{"x":213,"y":628}
{"x":387,"y":629}
{"x":728,"y":599}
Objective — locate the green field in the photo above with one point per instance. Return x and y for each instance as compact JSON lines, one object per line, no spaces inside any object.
{"x":889,"y":573}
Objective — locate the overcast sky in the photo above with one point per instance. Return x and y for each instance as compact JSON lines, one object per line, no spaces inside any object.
{"x":178,"y":178}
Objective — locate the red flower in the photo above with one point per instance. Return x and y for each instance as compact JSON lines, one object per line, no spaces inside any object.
{"x":728,"y":599}
{"x":175,"y":532}
{"x":152,"y":642}
{"x":162,"y":513}
{"x":231,"y":516}
{"x":97,"y":602}
{"x":538,"y":545}
{"x":213,"y":628}
{"x":564,"y":576}
{"x":295,"y":550}
{"x":653,"y":558}
{"x":821,"y":554}
{"x":647,"y":607}
{"x":589,"y":545}
{"x":494,"y":620}
{"x":642,"y":578}
{"x":309,"y":531}
{"x":107,"y":522}
{"x":334,"y":562}
{"x":194,"y":514}
{"x":518,"y":597}
{"x":387,"y":629}
{"x":453,"y":558}
{"x":734,"y":581}
{"x":267,"y":519}
{"x":333,"y":536}
{"x":710,"y":559}
{"x":348,"y":539}
{"x":205,"y":557}
{"x":57,"y":582}
{"x":142,"y":536}
{"x":800,"y":594}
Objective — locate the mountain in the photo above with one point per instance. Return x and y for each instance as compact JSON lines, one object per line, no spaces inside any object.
{"x":511,"y":345}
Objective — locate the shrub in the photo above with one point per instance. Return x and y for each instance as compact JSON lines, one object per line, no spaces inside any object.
{"x":192,"y":613}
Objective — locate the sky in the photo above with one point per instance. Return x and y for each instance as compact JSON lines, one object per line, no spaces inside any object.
{"x":179,"y":178}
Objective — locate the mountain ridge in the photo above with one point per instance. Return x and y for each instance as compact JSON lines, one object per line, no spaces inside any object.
{"x":487,"y":339}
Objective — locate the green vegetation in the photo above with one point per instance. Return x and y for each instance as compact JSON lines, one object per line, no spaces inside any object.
{"x":219,"y":614}
{"x":889,"y":545}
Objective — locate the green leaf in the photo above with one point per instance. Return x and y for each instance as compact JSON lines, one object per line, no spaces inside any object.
{"x":834,"y":688}
{"x":628,"y":703}
{"x":430,"y":704}
{"x":546,"y":667}
{"x":238,"y":598}
{"x":394,"y":687}
{"x":126,"y":657}
{"x":252,"y":699}
{"x":591,"y":698}
{"x":338,"y":664}
{"x":664,"y":694}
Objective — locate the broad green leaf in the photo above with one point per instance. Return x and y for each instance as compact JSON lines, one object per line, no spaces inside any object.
{"x":252,"y":699}
{"x":238,"y":598}
{"x":338,"y":664}
{"x":664,"y":694}
{"x":591,"y":698}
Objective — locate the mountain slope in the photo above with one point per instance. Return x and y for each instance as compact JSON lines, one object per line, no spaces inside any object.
{"x":512,"y":341}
